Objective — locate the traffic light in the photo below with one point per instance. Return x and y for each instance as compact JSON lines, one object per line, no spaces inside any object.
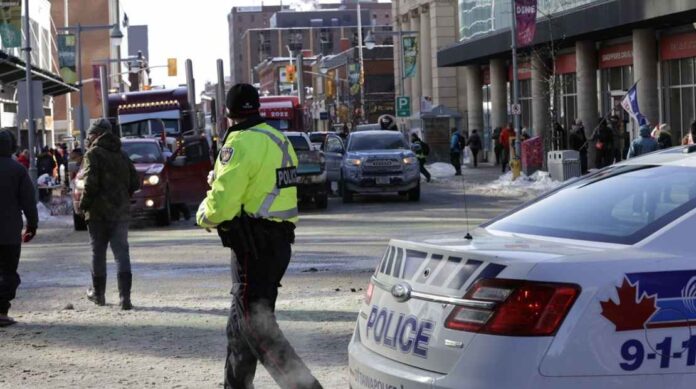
{"x":290,"y":73}
{"x":171,"y":67}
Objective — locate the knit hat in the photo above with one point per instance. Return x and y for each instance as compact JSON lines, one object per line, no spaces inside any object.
{"x":242,"y":101}
{"x":99,"y":127}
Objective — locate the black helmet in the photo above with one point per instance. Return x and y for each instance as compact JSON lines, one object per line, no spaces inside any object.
{"x":242,"y":101}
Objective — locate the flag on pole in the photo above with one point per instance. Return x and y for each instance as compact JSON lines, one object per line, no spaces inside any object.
{"x":630,"y":105}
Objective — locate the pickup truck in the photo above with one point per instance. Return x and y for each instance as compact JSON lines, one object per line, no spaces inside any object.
{"x":373,"y":162}
{"x":311,"y":170}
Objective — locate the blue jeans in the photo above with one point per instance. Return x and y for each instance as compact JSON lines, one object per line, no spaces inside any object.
{"x":102,"y":234}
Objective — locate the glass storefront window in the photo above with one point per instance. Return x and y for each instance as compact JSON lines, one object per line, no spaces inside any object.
{"x":679,"y":96}
{"x":480,"y":17}
{"x":526,"y":104}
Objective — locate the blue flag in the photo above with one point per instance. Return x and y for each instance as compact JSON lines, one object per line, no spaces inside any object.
{"x":630,"y":105}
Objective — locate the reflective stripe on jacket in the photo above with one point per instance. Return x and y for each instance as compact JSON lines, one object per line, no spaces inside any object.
{"x":247,"y":175}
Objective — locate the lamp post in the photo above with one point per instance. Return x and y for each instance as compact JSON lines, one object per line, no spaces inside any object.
{"x":31,"y":128}
{"x":116,"y":37}
{"x":295,"y":46}
{"x":362,"y":64}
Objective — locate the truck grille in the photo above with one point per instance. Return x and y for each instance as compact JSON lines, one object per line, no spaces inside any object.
{"x":382,"y":166}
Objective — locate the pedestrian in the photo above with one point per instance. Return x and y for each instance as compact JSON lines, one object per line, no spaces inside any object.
{"x":559,"y":136}
{"x":497,"y":146}
{"x":387,"y":122}
{"x":578,"y":142}
{"x":664,"y":136}
{"x":457,"y":144}
{"x":23,"y":158}
{"x":422,"y":150}
{"x":110,"y":180}
{"x":17,"y":198}
{"x":45,"y":164}
{"x":505,"y":136}
{"x":615,"y":127}
{"x":475,"y":144}
{"x":604,"y":144}
{"x":253,"y":205}
{"x":643,"y":144}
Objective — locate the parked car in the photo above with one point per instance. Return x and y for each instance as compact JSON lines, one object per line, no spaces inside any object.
{"x":154,"y":199}
{"x":591,"y":285}
{"x":367,"y":127}
{"x":311,"y":170}
{"x":318,"y":139}
{"x":373,"y":162}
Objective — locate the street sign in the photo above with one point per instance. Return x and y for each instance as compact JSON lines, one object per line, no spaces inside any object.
{"x":37,"y":103}
{"x":516,"y":109}
{"x":403,"y":106}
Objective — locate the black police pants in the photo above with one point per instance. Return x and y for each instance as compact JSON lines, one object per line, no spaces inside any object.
{"x":253,"y":334}
{"x":423,"y":170}
{"x":9,"y":279}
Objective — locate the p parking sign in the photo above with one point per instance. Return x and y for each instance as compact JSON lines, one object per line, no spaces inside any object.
{"x":403,"y":106}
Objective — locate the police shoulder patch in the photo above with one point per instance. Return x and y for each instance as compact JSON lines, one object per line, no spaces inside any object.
{"x":226,"y":154}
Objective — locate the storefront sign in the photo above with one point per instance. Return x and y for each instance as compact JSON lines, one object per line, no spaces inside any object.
{"x":616,"y":56}
{"x":410,"y":48}
{"x":11,"y":23}
{"x":66,"y":57}
{"x":525,"y":15}
{"x":566,"y":64}
{"x":678,"y":46}
{"x":354,"y":78}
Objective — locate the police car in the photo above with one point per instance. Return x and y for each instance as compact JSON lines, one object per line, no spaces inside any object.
{"x":592,"y":285}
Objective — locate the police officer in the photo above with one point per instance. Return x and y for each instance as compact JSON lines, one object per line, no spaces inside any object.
{"x":253,"y":205}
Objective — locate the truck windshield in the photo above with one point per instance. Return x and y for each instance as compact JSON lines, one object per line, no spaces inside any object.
{"x":143,"y":152}
{"x":382,"y":141}
{"x":623,"y":205}
{"x":152,"y":127}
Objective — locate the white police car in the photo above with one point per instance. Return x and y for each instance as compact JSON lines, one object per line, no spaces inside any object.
{"x":592,"y":285}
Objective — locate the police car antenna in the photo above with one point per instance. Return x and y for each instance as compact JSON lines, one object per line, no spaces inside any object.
{"x":466,"y":212}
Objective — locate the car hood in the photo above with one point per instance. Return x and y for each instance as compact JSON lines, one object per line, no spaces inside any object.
{"x":515,"y":247}
{"x":149,"y":168}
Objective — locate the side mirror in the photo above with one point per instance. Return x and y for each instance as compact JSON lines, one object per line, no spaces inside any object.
{"x":179,"y":161}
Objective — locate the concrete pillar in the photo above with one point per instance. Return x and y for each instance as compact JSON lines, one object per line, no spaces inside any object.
{"x":498,"y":93}
{"x":645,"y":72}
{"x":426,"y":55}
{"x":474,"y":97}
{"x":443,"y":33}
{"x":397,"y":59}
{"x":462,"y":99}
{"x":416,"y":80}
{"x":586,"y":64}
{"x":540,"y":97}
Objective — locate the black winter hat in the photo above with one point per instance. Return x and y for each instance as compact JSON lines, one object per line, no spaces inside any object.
{"x":8,"y":143}
{"x":99,"y":127}
{"x":242,"y":101}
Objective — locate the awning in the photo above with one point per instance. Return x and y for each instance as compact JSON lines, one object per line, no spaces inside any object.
{"x":12,"y":69}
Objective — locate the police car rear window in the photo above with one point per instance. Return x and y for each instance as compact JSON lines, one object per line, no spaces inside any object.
{"x":299,"y":142}
{"x":621,"y":205}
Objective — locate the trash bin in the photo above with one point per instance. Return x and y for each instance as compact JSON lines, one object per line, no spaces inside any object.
{"x":564,"y":164}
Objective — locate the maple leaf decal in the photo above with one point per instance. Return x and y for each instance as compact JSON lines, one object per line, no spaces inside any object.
{"x":630,"y":313}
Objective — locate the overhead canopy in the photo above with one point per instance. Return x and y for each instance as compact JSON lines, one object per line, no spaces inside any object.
{"x":12,"y":69}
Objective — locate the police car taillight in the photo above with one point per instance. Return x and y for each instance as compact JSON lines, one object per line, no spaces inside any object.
{"x":522,"y":308}
{"x":368,"y":293}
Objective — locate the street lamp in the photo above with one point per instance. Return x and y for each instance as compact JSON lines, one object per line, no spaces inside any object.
{"x":116,"y":37}
{"x":370,"y":41}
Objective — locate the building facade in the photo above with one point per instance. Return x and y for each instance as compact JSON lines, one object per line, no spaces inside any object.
{"x":585,"y":56}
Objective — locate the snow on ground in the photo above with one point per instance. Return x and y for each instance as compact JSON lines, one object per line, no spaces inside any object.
{"x":48,"y":220}
{"x":525,"y":186}
{"x":441,"y":170}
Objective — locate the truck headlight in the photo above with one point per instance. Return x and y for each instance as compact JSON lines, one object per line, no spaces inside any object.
{"x":353,"y":161}
{"x":409,"y":160}
{"x":151,"y":180}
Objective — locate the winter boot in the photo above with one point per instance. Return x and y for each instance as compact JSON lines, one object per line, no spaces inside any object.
{"x":4,"y":319}
{"x":96,"y":293}
{"x":125,"y":280}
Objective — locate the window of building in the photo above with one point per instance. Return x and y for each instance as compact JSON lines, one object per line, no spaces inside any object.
{"x":568,"y":111}
{"x":526,"y":103}
{"x":679,"y":98}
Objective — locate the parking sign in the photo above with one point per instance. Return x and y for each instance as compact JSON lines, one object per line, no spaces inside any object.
{"x":403,"y":106}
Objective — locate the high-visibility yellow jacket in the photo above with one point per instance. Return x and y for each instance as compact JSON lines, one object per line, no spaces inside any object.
{"x":255,"y":169}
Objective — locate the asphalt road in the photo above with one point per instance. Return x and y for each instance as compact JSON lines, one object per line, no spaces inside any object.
{"x":175,"y":336}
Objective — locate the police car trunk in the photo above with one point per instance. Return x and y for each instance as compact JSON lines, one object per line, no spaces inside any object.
{"x":420,"y":309}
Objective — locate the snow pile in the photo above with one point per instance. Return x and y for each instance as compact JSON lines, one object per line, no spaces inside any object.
{"x":48,"y":220}
{"x":441,"y":170}
{"x":527,"y":187}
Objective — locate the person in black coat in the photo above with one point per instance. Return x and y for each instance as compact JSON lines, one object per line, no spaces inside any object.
{"x":16,"y":197}
{"x":475,"y":144}
{"x":578,"y":142}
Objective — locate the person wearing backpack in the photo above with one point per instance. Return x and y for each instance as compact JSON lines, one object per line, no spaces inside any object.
{"x":457,"y":143}
{"x":422,"y":150}
{"x":474,"y":144}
